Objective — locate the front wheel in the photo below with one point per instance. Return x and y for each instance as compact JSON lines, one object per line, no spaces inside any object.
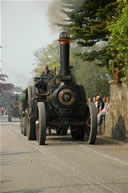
{"x":91,"y":124}
{"x":41,"y":124}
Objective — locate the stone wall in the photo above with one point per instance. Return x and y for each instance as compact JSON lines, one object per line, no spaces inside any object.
{"x":116,"y":121}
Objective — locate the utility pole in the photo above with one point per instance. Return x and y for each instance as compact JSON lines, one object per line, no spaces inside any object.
{"x":0,"y":60}
{"x":1,"y":97}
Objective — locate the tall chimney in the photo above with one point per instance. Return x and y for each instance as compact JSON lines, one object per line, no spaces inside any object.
{"x":64,"y":40}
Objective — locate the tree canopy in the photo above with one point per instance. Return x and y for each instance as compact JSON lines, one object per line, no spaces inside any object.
{"x":47,"y":56}
{"x":5,"y":86}
{"x":118,"y":42}
{"x":88,"y":21}
{"x":95,"y":21}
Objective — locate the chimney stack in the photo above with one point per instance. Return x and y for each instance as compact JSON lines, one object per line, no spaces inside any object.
{"x":64,"y":40}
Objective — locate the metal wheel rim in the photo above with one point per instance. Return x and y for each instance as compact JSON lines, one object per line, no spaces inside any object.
{"x":88,"y":128}
{"x":37,"y":133}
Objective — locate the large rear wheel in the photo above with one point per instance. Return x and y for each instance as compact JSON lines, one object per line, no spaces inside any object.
{"x":21,"y":124}
{"x":91,"y":124}
{"x":31,"y":129}
{"x":29,"y":94}
{"x":41,"y":124}
{"x":23,"y":129}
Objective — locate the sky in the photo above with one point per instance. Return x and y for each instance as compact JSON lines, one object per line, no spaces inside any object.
{"x":24,"y":29}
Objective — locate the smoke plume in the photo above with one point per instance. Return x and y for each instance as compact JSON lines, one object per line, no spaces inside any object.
{"x":56,"y":16}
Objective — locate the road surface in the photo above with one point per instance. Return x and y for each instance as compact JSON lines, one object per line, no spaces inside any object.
{"x":61,"y":166}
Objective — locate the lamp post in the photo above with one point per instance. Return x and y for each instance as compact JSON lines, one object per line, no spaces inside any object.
{"x":1,"y":97}
{"x":0,"y":61}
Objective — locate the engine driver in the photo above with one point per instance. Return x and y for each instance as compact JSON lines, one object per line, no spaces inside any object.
{"x":46,"y":72}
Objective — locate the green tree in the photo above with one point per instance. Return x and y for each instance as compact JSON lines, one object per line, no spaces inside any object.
{"x":118,"y":42}
{"x":4,"y":85}
{"x":87,"y":22}
{"x":97,"y":21}
{"x":47,"y":56}
{"x":5,"y":89}
{"x":95,"y":79}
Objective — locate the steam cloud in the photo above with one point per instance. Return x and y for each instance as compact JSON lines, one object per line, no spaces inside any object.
{"x":55,"y":15}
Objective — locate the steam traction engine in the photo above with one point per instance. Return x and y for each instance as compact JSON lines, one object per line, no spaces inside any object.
{"x":59,"y":103}
{"x":13,"y":107}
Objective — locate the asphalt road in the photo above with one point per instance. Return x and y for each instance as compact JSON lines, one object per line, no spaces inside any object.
{"x":61,"y":166}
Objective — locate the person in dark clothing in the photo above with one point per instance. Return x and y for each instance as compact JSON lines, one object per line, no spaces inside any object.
{"x":46,"y":72}
{"x":100,"y":104}
{"x":104,"y":111}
